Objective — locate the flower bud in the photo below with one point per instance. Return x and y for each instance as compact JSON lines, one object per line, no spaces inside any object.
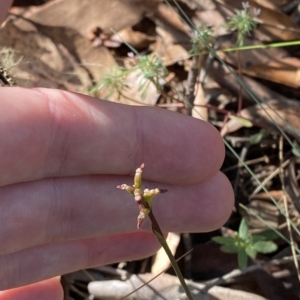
{"x":126,"y":187}
{"x":138,"y":177}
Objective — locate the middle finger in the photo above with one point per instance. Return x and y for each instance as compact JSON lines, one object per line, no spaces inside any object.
{"x":51,"y":210}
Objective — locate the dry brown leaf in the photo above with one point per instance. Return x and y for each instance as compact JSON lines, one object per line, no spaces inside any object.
{"x":169,"y":51}
{"x":97,"y":61}
{"x":164,"y":287}
{"x":273,"y":57}
{"x":271,"y":4}
{"x":200,"y":4}
{"x":282,"y":110}
{"x":44,"y":62}
{"x":284,"y":114}
{"x":168,"y":19}
{"x":214,"y":18}
{"x":287,"y":76}
{"x":266,"y":210}
{"x":169,"y":15}
{"x":136,"y":39}
{"x":228,"y":81}
{"x":82,"y":16}
{"x":273,"y":64}
{"x":199,"y":111}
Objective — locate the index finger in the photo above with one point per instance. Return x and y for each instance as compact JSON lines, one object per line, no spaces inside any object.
{"x":51,"y":133}
{"x":4,"y":7}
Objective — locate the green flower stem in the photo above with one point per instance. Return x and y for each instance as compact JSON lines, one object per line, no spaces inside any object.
{"x":158,"y":233}
{"x":262,"y":46}
{"x":143,"y":199}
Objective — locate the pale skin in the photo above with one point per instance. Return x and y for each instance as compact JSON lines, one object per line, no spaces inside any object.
{"x":61,"y":157}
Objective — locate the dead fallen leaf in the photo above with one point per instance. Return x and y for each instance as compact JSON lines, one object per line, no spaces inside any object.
{"x":82,"y":16}
{"x":165,"y":48}
{"x":168,"y":19}
{"x":271,"y":4}
{"x":97,"y":61}
{"x":287,"y":76}
{"x":164,"y":287}
{"x":266,"y":210}
{"x":44,"y":63}
{"x":136,"y":39}
{"x":285,"y":115}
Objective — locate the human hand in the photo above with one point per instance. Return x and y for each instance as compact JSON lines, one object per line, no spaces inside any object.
{"x":4,"y":7}
{"x":61,"y":157}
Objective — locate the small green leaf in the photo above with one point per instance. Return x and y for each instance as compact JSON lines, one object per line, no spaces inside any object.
{"x":242,"y":258}
{"x":251,"y":251}
{"x":224,"y":240}
{"x":243,"y":121}
{"x":256,"y":238}
{"x":268,"y":234}
{"x":257,"y":138}
{"x":265,"y":247}
{"x":243,"y":229}
{"x":231,"y":248}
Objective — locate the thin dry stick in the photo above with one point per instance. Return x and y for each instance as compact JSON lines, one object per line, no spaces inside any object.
{"x":240,"y":101}
{"x":249,"y":162}
{"x":288,"y":220}
{"x":88,"y":275}
{"x":238,"y":172}
{"x":272,"y":175}
{"x":191,"y":83}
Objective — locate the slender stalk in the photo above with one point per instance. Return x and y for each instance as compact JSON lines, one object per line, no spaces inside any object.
{"x":143,"y":199}
{"x":146,"y":283}
{"x":158,"y":233}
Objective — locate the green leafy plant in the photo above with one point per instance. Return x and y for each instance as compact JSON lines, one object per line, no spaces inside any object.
{"x":258,"y":137}
{"x":150,"y":69}
{"x":113,"y":82}
{"x":243,"y":22}
{"x":202,"y":40}
{"x":245,"y":244}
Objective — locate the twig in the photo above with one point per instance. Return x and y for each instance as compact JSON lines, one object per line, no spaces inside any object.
{"x":240,"y":98}
{"x":191,"y":83}
{"x":272,"y":175}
